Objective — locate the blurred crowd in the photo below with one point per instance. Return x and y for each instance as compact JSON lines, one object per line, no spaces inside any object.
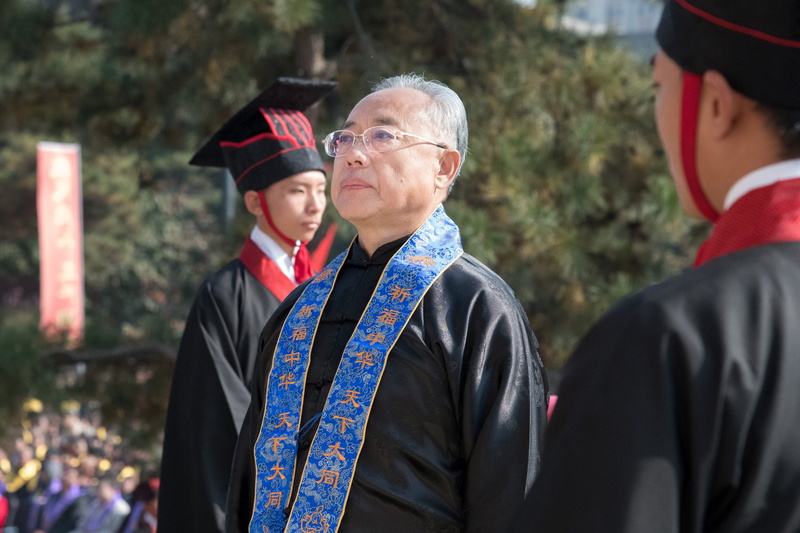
{"x":67,"y":473}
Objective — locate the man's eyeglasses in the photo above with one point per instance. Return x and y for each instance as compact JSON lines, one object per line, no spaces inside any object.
{"x":375,"y":139}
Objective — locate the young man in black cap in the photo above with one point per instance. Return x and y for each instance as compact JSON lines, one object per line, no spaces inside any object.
{"x":679,"y":410}
{"x":269,"y":148}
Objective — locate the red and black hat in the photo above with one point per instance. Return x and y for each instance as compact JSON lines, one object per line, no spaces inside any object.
{"x":270,"y":138}
{"x":755,"y":45}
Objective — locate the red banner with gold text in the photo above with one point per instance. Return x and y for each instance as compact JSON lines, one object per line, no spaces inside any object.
{"x":59,"y":205}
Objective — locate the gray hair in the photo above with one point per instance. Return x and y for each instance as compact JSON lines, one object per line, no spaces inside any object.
{"x":447,"y":109}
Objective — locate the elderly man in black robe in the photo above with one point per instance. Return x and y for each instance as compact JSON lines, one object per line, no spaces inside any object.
{"x":400,"y":389}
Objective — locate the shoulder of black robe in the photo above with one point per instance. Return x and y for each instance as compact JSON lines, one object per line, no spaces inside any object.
{"x":453,"y":438}
{"x":678,"y":410}
{"x":210,"y":394}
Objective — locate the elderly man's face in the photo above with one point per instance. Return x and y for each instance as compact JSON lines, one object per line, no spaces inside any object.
{"x":389,"y":191}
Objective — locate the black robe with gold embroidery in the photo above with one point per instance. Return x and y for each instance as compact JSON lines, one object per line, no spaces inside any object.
{"x":453,"y":437}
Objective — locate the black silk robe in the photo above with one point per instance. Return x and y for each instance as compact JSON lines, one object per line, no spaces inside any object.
{"x":452,"y":442}
{"x":680,"y":410}
{"x":209,"y":398}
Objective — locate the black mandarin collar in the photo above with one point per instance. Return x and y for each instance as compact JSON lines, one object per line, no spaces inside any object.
{"x":381,"y":256}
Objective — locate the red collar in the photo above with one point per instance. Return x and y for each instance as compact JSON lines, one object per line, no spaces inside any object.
{"x":264,"y":270}
{"x":762,"y":216}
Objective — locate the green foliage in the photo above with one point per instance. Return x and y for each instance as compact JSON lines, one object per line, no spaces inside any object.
{"x":24,"y":25}
{"x":569,"y":181}
{"x":20,"y":373}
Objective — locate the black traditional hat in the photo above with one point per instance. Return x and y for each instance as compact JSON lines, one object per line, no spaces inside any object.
{"x":755,"y":45}
{"x":270,"y":138}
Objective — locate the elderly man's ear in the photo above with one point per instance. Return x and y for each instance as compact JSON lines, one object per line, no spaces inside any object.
{"x":448,"y":166}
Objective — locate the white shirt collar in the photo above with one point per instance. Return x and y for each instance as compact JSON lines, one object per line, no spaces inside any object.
{"x":764,"y":176}
{"x":273,"y":250}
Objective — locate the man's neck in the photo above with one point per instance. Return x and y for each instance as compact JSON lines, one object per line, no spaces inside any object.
{"x":370,"y":237}
{"x":369,"y":243}
{"x":267,"y":230}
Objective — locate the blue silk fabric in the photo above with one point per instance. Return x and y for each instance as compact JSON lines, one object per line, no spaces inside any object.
{"x":332,"y":459}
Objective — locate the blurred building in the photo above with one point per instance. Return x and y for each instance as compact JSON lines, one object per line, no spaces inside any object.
{"x":633,"y":21}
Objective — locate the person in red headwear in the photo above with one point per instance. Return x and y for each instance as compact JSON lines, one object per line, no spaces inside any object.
{"x":679,"y":409}
{"x":270,"y":150}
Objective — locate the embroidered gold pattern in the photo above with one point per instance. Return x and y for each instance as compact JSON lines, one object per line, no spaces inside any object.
{"x":364,"y":358}
{"x":274,"y":499}
{"x":286,"y":380}
{"x":300,"y":333}
{"x":345,"y":422}
{"x":314,"y":522}
{"x":276,"y":442}
{"x":283,"y":420}
{"x":336,"y":449}
{"x":374,"y":338}
{"x":278,"y":471}
{"x":422,"y":260}
{"x":399,"y":293}
{"x":351,"y":398}
{"x":306,"y":310}
{"x":389,"y":316}
{"x":329,"y":477}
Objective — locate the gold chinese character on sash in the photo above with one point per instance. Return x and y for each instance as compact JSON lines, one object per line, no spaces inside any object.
{"x":284,"y":421}
{"x":278,"y":471}
{"x":399,"y":293}
{"x":345,"y":422}
{"x":314,"y":522}
{"x":305,"y":311}
{"x":329,"y":477}
{"x":364,"y":359}
{"x":274,"y":499}
{"x":275,"y":443}
{"x":324,"y":275}
{"x":375,"y":338}
{"x":299,"y":334}
{"x":286,"y":380}
{"x":351,"y":398}
{"x":336,"y":449}
{"x":422,"y":260}
{"x":389,"y":316}
{"x":291,"y":357}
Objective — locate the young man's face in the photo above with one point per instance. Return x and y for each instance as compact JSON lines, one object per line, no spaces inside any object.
{"x":389,"y":190}
{"x":296,"y":204}
{"x":668,"y":82}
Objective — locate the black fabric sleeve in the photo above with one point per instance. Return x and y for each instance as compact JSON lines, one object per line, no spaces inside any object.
{"x":241,"y":487}
{"x":612,"y":460}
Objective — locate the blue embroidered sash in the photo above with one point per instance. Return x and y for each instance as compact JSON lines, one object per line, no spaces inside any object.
{"x":328,"y":473}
